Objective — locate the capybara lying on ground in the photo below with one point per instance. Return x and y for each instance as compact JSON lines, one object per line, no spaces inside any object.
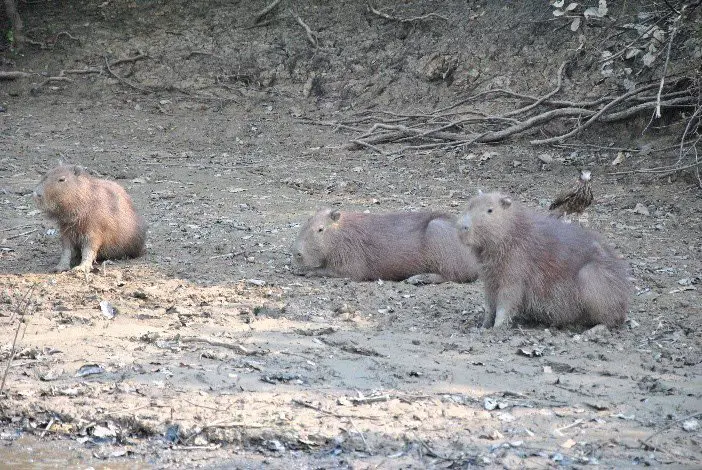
{"x":537,"y":268}
{"x":392,"y":247}
{"x":96,"y":217}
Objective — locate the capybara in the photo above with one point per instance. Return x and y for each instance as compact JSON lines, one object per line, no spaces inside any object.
{"x":539,"y":269}
{"x":96,"y":217}
{"x":392,"y":246}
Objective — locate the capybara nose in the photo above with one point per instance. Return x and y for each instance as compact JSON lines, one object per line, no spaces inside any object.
{"x":298,"y":256}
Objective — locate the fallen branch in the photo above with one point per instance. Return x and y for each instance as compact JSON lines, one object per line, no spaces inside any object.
{"x":404,"y":20}
{"x":13,"y":75}
{"x":589,"y":122}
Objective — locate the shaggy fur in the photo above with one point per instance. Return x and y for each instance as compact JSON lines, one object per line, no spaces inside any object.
{"x":537,"y":268}
{"x":96,"y":217}
{"x":392,"y":246}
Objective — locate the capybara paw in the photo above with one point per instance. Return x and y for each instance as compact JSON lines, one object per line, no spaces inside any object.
{"x":61,"y":267}
{"x":424,"y":279}
{"x":83,"y":267}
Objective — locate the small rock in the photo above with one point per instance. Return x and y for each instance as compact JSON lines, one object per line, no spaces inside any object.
{"x":516,"y":163}
{"x":102,"y":431}
{"x":691,"y":425}
{"x":489,"y":404}
{"x":546,"y":158}
{"x":275,"y":445}
{"x":200,"y":441}
{"x":596,"y":333}
{"x":641,"y":209}
{"x":108,"y":310}
{"x":257,"y":282}
{"x":89,"y":369}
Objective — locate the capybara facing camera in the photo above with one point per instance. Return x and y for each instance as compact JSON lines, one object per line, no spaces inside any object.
{"x":539,"y":269}
{"x":393,"y":246}
{"x":96,"y":217}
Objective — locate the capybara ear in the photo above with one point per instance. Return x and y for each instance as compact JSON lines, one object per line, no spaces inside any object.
{"x":335,"y":215}
{"x":505,"y":202}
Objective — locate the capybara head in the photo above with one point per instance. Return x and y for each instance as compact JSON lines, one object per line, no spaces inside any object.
{"x":485,"y":220}
{"x":60,"y":189}
{"x":312,"y":246}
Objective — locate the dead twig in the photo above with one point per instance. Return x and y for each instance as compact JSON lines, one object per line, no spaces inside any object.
{"x":404,"y":20}
{"x":18,"y":227}
{"x":536,"y":103}
{"x":21,"y":234}
{"x":367,"y":145}
{"x":673,"y":30}
{"x":670,"y":425}
{"x":123,"y":80}
{"x":311,"y":35}
{"x":21,"y":311}
{"x":269,"y":8}
{"x":52,"y":79}
{"x":205,"y":53}
{"x":127,"y":60}
{"x":363,"y":438}
{"x":79,"y":71}
{"x":213,"y":342}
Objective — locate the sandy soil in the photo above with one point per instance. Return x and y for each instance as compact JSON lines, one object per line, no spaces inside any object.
{"x":220,"y":357}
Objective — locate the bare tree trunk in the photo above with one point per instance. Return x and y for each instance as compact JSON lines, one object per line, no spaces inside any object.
{"x":15,"y":20}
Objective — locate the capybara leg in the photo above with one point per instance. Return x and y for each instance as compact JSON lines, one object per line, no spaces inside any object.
{"x":489,"y":318}
{"x":88,"y":257}
{"x":64,"y":263}
{"x":506,"y":305}
{"x":426,"y":278}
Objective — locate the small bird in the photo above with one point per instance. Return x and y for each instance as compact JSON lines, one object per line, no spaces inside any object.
{"x":574,"y":200}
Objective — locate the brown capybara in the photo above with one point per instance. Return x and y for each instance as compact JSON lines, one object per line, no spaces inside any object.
{"x":396,"y":246}
{"x":96,"y":217}
{"x":537,"y":268}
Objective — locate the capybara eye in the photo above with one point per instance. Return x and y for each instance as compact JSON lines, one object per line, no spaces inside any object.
{"x":320,"y":229}
{"x":490,"y":211}
{"x":62,"y":179}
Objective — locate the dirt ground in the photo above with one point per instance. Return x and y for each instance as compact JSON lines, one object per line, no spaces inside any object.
{"x":219,"y":356}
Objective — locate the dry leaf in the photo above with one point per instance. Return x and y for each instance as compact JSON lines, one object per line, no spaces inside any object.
{"x":568,"y":444}
{"x":620,"y":158}
{"x":575,"y":24}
